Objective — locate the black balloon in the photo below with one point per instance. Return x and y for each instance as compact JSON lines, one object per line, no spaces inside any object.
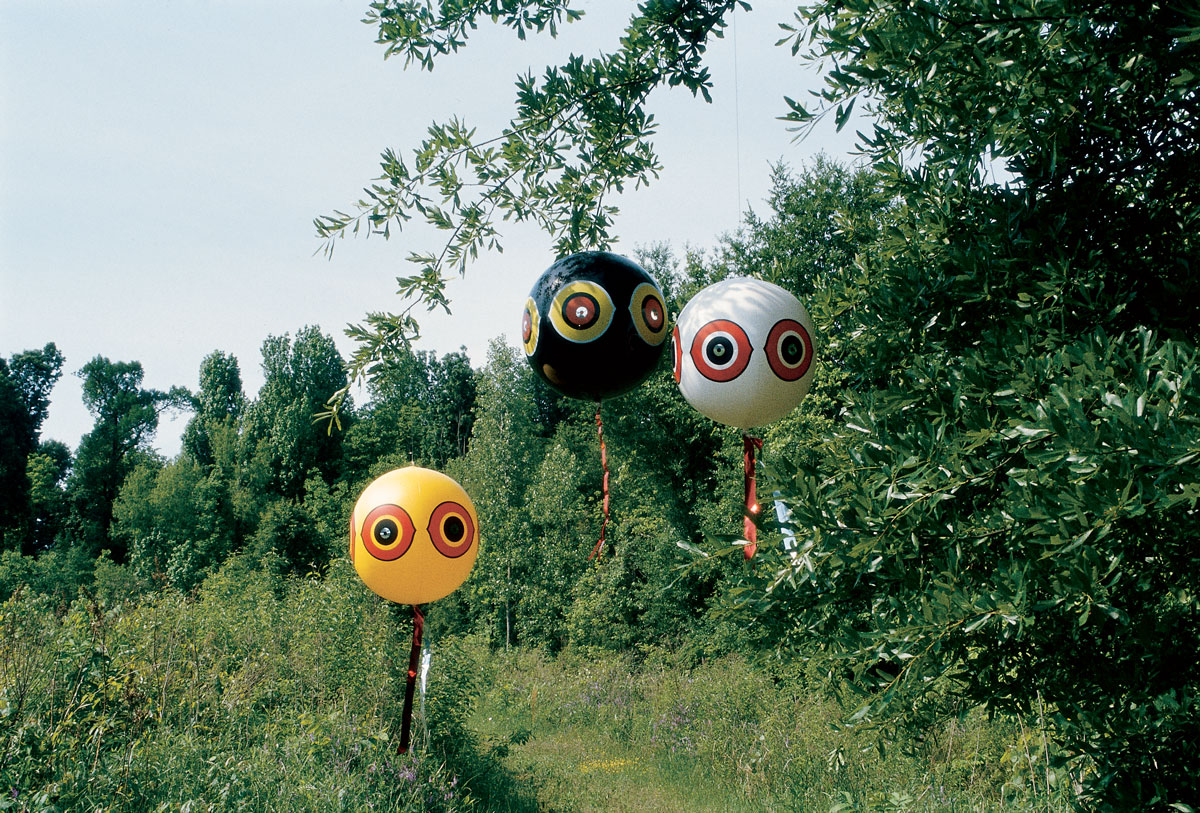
{"x":594,"y":325}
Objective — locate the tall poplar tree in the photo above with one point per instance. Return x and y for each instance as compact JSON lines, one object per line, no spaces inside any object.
{"x":218,"y":404}
{"x":126,"y":417}
{"x":279,"y":435}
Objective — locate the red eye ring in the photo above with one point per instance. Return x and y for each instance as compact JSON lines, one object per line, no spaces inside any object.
{"x":677,"y":349}
{"x":446,"y":520}
{"x":787,"y":338}
{"x":581,"y":310}
{"x":529,"y":327}
{"x":649,"y":314}
{"x":721,"y":338}
{"x":652,"y":309}
{"x":383,"y":522}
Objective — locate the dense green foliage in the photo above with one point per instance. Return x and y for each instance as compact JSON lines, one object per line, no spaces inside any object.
{"x":1011,"y":514}
{"x":1002,"y":507}
{"x":988,"y":501}
{"x":217,"y":702}
{"x":222,"y":701}
{"x":26,"y":380}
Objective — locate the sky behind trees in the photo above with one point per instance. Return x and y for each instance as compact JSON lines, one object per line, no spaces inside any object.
{"x":161,"y":164}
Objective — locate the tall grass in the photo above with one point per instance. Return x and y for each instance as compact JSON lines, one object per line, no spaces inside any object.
{"x":259,"y":692}
{"x":256,"y":694}
{"x":763,"y":741}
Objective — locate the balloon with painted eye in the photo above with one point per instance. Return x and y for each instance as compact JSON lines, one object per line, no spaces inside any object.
{"x":744,"y":352}
{"x":594,"y":325}
{"x":744,"y":357}
{"x":414,"y":535}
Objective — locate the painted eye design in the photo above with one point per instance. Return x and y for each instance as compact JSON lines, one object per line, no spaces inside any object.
{"x":649,"y":314}
{"x":789,"y":350}
{"x":451,"y":529}
{"x":529,"y":326}
{"x":581,"y":311}
{"x":721,"y":350}
{"x":677,"y":350}
{"x":387,"y":532}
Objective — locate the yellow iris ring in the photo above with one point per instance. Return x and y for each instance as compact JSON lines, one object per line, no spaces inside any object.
{"x":604,"y":315}
{"x":422,"y":574}
{"x":636,"y":305}
{"x":531,"y":313}
{"x":437,"y":529}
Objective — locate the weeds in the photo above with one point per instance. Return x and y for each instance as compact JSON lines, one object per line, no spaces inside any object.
{"x":263,"y":692}
{"x":755,"y":740}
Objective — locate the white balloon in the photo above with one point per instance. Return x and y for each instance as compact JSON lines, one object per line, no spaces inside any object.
{"x":744,"y":352}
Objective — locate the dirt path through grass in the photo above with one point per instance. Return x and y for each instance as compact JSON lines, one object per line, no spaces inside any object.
{"x":577,"y":770}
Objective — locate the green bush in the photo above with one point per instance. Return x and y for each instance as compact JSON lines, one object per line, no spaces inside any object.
{"x":58,"y":573}
{"x":261,"y":692}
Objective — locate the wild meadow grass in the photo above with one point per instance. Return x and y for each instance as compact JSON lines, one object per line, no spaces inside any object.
{"x":255,"y":694}
{"x":262,"y":693}
{"x":727,"y":734}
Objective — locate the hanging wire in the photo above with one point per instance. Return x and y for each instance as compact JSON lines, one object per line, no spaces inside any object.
{"x":737,"y":118}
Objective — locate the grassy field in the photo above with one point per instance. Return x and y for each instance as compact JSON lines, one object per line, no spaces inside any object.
{"x":621,"y":734}
{"x":267,"y":694}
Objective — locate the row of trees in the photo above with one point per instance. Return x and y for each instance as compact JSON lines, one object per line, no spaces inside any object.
{"x":992,"y":488}
{"x":242,"y":476}
{"x":259,"y":475}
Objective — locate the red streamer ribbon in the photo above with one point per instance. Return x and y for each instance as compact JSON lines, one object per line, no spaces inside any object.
{"x":604,"y":464}
{"x":749,"y":444}
{"x":414,"y":659}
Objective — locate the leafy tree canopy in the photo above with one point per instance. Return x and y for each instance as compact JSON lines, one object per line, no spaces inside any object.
{"x":1006,"y":509}
{"x":126,"y":417}
{"x":26,"y":380}
{"x":580,"y":133}
{"x":219,"y":402}
{"x":279,"y":431}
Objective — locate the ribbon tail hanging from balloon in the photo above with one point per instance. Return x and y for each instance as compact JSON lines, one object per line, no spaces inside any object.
{"x":604,"y":465}
{"x":594,"y":327}
{"x":749,"y":445}
{"x":413,"y":661}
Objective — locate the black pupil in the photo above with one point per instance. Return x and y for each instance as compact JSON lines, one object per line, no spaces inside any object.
{"x":719,"y":350}
{"x":653,"y":313}
{"x":792,"y":349}
{"x":453,"y":529}
{"x":386,"y":532}
{"x":581,"y":311}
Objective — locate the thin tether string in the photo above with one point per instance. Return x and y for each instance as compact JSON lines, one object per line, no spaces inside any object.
{"x":737,"y":117}
{"x":749,"y":444}
{"x":414,"y":658}
{"x":604,"y":465}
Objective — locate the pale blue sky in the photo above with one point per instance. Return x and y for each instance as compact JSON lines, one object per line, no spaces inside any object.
{"x":161,"y":164}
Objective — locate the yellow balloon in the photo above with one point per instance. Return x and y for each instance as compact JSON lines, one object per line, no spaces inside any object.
{"x":414,"y":535}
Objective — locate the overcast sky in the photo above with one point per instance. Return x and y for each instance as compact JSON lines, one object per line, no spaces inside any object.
{"x":161,"y":164}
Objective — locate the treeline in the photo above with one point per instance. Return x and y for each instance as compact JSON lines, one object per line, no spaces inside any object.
{"x":991,"y":487}
{"x":258,"y":475}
